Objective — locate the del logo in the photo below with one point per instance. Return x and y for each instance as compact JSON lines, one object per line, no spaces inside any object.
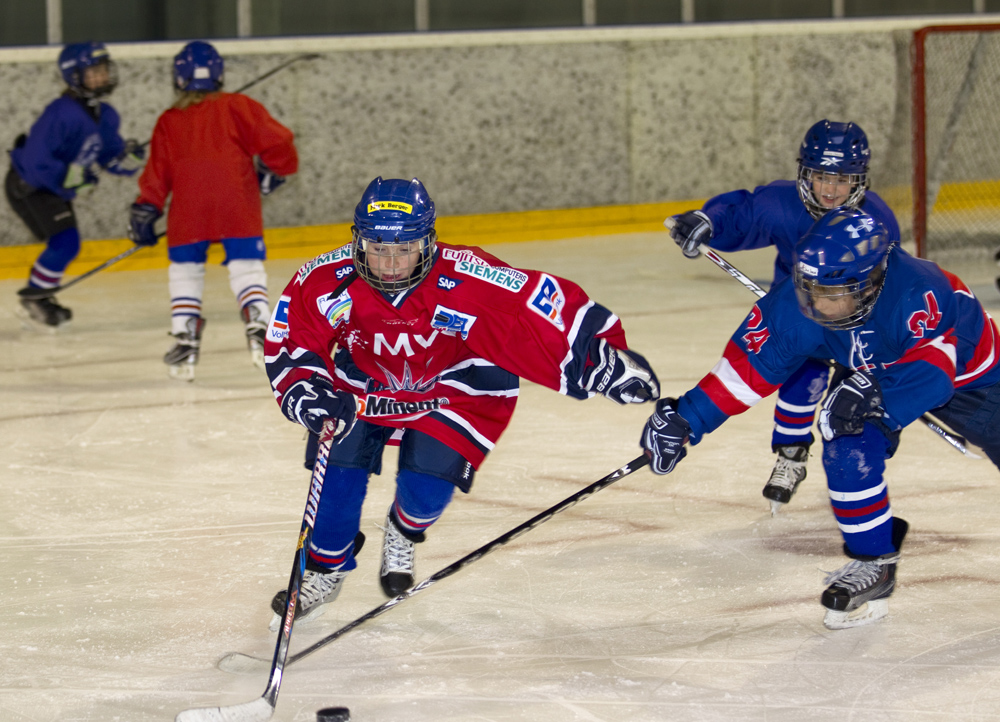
{"x":447,"y":283}
{"x":373,"y":405}
{"x":452,"y":322}
{"x":547,"y":301}
{"x":337,"y":310}
{"x":277,"y":330}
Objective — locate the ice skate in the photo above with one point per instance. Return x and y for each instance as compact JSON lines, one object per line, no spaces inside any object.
{"x":859,"y":591}
{"x":396,"y":574}
{"x":256,"y":329}
{"x":44,"y":313}
{"x":788,"y":472}
{"x":181,"y":359}
{"x":317,"y":590}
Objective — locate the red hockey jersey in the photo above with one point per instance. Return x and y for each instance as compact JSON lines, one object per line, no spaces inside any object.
{"x":444,"y":357}
{"x":203,"y":155}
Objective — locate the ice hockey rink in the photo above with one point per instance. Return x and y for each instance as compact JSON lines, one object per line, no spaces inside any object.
{"x":146,"y":523}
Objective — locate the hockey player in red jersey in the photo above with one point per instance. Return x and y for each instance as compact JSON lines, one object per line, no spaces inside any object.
{"x":398,"y":336}
{"x":216,"y":153}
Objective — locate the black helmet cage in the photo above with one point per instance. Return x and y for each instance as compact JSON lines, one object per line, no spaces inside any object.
{"x":359,"y":251}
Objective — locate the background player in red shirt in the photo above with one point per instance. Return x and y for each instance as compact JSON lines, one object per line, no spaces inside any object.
{"x":426,"y":348}
{"x":215,"y":153}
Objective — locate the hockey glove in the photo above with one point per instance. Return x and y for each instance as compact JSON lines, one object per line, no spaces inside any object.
{"x":623,"y":376}
{"x":79,"y":178}
{"x":855,"y":400}
{"x":310,"y":402}
{"x":268,"y":179}
{"x":129,"y":161}
{"x":664,"y":437}
{"x":690,"y":230}
{"x":141,"y":218}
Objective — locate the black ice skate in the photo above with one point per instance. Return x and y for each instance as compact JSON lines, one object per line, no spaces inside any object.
{"x":45,"y":312}
{"x":256,"y":329}
{"x":788,"y":472}
{"x":859,"y":591}
{"x":317,"y":590}
{"x":396,"y":575}
{"x":184,"y":355}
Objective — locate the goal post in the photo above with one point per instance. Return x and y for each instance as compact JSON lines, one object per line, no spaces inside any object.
{"x":956,"y":137}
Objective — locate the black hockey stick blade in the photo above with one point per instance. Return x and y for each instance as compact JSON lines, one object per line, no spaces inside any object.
{"x":239,"y":663}
{"x":35,"y":294}
{"x":261,"y":709}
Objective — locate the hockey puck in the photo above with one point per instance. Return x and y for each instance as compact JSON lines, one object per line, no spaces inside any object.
{"x":333,"y":714}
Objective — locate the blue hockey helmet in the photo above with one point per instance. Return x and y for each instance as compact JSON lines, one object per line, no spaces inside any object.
{"x":840,"y":268}
{"x":74,"y":60}
{"x":393,"y":234}
{"x":833,"y":156}
{"x":198,"y":67}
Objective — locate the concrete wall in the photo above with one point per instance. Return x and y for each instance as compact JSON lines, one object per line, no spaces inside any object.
{"x":523,"y":120}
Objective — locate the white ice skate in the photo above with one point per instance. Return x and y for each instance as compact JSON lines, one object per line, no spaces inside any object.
{"x":182,"y":358}
{"x":788,"y":472}
{"x":317,"y":590}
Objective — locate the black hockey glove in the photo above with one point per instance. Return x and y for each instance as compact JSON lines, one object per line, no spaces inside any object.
{"x":855,"y":400}
{"x":664,"y":437}
{"x":141,"y":218}
{"x":268,"y":179}
{"x":129,"y":161}
{"x":623,"y":376}
{"x":312,"y":402}
{"x":690,"y":230}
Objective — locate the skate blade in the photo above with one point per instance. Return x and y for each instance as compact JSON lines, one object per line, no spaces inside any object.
{"x":776,"y":507}
{"x":31,"y":324}
{"x":181,"y":372}
{"x":867,"y":613}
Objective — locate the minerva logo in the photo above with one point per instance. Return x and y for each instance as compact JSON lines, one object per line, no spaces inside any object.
{"x":372,"y":406}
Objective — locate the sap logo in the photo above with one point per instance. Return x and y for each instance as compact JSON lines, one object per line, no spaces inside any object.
{"x":337,"y":310}
{"x":447,"y":283}
{"x":402,"y":344}
{"x":452,"y":322}
{"x":344,"y":272}
{"x":277,"y":329}
{"x":547,"y":301}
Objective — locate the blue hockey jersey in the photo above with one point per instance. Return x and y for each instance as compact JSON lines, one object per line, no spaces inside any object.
{"x":926,"y":336}
{"x":774,"y":215}
{"x":66,"y":134}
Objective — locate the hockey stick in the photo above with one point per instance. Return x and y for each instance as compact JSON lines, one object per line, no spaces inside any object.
{"x":243,"y":663}
{"x":262,"y":708}
{"x":956,"y":441}
{"x":34,"y":294}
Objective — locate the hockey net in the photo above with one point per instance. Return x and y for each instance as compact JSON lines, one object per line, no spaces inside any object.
{"x":956,"y":139}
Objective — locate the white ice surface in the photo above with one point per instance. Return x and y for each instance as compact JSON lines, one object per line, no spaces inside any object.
{"x":145,"y":524}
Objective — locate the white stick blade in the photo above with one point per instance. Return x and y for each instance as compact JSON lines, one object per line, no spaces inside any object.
{"x":239,"y":663}
{"x":259,"y":710}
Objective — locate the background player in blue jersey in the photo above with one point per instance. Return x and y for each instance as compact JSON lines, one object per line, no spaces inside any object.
{"x":916,"y":340}
{"x":76,"y":134}
{"x":833,"y":171}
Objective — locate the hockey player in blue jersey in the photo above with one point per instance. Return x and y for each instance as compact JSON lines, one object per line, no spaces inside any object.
{"x":833,"y":171}
{"x":76,"y":134}
{"x":912,"y":338}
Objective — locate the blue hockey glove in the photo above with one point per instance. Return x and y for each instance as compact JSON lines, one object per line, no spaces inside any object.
{"x":311,"y":402}
{"x":129,"y":161}
{"x":855,"y":400}
{"x":623,"y":376}
{"x":690,"y":230}
{"x":79,"y":178}
{"x":141,"y":218}
{"x":268,"y":179}
{"x":664,"y":437}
